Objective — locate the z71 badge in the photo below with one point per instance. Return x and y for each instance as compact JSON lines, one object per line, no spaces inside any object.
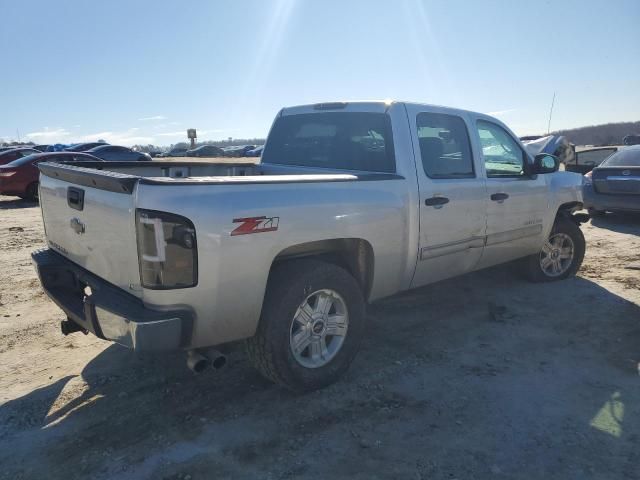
{"x":255,"y":225}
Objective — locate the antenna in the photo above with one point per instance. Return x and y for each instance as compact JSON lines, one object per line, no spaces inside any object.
{"x":551,"y":113}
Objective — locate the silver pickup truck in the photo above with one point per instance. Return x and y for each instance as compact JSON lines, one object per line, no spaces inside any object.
{"x":351,"y":202}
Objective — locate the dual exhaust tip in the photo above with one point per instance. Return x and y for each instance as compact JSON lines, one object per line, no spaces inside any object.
{"x":199,"y":360}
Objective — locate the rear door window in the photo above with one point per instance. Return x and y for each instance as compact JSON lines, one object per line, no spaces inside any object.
{"x":444,"y":146}
{"x":337,"y":140}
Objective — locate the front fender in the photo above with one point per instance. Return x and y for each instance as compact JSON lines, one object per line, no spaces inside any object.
{"x":565,"y":188}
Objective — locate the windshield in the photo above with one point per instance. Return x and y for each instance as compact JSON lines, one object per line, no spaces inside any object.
{"x":339,"y":140}
{"x":627,"y":157}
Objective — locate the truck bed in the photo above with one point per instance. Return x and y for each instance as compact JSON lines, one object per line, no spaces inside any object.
{"x":90,"y":212}
{"x":122,"y":176}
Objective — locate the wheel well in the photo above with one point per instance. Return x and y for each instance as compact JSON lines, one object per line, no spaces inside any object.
{"x":353,"y":254}
{"x":27,"y":191}
{"x":568,"y":208}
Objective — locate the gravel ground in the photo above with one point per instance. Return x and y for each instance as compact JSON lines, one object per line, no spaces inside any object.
{"x":483,"y":376}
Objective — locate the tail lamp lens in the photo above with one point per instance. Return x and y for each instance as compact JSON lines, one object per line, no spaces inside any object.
{"x":167,"y":250}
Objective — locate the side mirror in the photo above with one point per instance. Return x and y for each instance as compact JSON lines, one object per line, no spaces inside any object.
{"x":545,"y":163}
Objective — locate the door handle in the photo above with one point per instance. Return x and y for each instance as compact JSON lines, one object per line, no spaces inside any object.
{"x":499,"y":197}
{"x":437,"y":202}
{"x":75,"y":198}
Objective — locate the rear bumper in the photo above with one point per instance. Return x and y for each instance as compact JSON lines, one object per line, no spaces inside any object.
{"x":600,"y":201}
{"x":109,"y":312}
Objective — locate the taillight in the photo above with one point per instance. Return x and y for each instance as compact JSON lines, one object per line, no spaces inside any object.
{"x":7,"y":174}
{"x":167,"y":250}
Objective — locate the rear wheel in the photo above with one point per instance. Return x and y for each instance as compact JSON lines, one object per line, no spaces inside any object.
{"x":31,"y":193}
{"x":560,"y":256}
{"x":311,"y":325}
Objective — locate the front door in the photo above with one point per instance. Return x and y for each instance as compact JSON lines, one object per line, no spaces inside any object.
{"x":517,"y":201}
{"x":452,"y":196}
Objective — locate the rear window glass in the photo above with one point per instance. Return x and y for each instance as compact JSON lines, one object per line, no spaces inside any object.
{"x":339,"y":140}
{"x":23,"y":161}
{"x":623,"y":158}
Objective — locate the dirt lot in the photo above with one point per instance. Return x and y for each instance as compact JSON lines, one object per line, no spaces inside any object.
{"x":484,"y":376}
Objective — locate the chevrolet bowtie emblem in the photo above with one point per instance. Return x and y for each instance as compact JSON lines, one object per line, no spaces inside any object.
{"x":77,"y":226}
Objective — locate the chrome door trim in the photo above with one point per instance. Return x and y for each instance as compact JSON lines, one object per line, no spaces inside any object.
{"x":510,"y":235}
{"x":452,"y":247}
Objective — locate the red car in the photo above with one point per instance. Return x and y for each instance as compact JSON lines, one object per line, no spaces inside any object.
{"x":12,"y":154}
{"x":20,"y":177}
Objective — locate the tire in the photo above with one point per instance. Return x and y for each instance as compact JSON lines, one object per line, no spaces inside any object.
{"x":563,"y":228}
{"x":290,"y":286}
{"x":31,"y":193}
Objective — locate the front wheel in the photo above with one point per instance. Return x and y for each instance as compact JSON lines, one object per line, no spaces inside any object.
{"x":560,"y":256}
{"x":311,"y":325}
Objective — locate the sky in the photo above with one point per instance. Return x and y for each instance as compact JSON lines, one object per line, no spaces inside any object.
{"x":139,"y":72}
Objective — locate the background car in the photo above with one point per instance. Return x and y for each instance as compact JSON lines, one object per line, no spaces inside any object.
{"x":586,"y":160}
{"x":205,"y":151}
{"x":12,"y":154}
{"x":20,"y":177}
{"x":175,"y":152}
{"x":116,"y":153}
{"x":256,"y":152}
{"x":614,"y":185}
{"x":556,"y":145}
{"x":83,"y":147}
{"x":42,"y":148}
{"x":631,"y":140}
{"x":238,"y":150}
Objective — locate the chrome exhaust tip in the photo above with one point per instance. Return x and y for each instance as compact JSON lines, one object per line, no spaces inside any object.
{"x":197,"y":363}
{"x":217,"y":359}
{"x":200,"y":360}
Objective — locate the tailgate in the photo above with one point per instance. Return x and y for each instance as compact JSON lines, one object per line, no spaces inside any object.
{"x":89,"y":217}
{"x":619,"y":180}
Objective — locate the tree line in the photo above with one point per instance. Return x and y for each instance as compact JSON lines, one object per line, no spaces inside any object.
{"x":218,"y":143}
{"x":606,"y":134}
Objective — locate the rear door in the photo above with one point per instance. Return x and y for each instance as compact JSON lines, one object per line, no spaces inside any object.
{"x":452,"y":195}
{"x":516,"y":201}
